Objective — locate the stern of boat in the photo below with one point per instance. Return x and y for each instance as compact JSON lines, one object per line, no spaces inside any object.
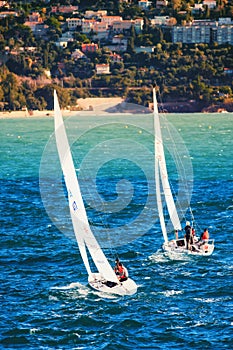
{"x":97,"y":282}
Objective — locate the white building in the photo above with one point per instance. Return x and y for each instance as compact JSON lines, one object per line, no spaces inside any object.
{"x":225,"y":34}
{"x":210,"y":3}
{"x":102,"y":68}
{"x":160,"y":20}
{"x":73,"y":23}
{"x":95,"y":14}
{"x":203,"y":32}
{"x":78,"y":54}
{"x":143,"y":4}
{"x":161,"y":3}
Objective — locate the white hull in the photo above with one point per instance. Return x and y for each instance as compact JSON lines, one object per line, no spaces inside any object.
{"x":179,"y":247}
{"x":97,"y":282}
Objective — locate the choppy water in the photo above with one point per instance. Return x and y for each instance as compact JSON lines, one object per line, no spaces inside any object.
{"x":45,"y":300}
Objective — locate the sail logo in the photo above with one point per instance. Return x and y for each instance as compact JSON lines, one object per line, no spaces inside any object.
{"x":75,"y":207}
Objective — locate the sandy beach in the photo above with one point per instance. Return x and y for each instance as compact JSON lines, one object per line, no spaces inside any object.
{"x":87,"y":105}
{"x":105,"y":106}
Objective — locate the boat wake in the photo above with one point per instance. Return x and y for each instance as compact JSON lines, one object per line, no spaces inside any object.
{"x":78,"y":287}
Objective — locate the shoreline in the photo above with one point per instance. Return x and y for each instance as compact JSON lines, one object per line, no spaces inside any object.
{"x":97,"y":106}
{"x":105,"y":105}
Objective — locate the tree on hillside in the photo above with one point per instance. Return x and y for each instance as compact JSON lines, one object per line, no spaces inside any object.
{"x":12,"y":92}
{"x":46,"y":93}
{"x":130,"y":46}
{"x":176,"y":5}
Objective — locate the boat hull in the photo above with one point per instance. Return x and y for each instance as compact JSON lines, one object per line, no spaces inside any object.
{"x":173,"y":247}
{"x":97,"y":282}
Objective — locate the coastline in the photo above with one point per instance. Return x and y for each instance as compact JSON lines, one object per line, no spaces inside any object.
{"x":103,"y":106}
{"x":88,"y":105}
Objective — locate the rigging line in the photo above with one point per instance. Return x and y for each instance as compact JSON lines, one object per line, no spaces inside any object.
{"x":178,"y":162}
{"x":100,"y":215}
{"x":166,"y":125}
{"x":176,"y":154}
{"x":177,"y":157}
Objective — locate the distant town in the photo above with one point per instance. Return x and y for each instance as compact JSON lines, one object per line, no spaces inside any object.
{"x":117,"y":49}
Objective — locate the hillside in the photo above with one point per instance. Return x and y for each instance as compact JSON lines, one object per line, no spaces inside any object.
{"x":116,"y":49}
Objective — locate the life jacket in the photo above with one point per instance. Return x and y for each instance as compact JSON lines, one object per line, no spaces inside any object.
{"x":205,"y":236}
{"x":121,"y":270}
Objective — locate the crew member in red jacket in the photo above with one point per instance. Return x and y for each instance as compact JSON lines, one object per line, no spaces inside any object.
{"x":205,"y":235}
{"x":120,"y":271}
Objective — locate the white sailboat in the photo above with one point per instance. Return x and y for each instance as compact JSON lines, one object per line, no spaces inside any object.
{"x":163,"y":190}
{"x":105,"y":279}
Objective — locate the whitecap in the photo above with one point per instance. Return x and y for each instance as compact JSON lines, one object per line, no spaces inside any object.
{"x":52,"y":297}
{"x":74,"y":285}
{"x":207,"y":300}
{"x":158,"y":257}
{"x":169,"y":293}
{"x":69,"y":286}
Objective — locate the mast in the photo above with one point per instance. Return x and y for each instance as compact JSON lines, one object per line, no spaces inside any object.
{"x":161,"y":175}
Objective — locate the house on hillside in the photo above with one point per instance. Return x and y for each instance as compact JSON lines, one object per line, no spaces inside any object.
{"x":143,"y":4}
{"x":95,"y":14}
{"x":73,"y":23}
{"x":102,"y":68}
{"x":138,"y":24}
{"x":111,"y":19}
{"x":77,"y":55}
{"x":161,"y":3}
{"x":115,"y":57}
{"x":228,"y":71}
{"x":3,"y":4}
{"x":160,"y":20}
{"x":34,"y":19}
{"x":36,"y":23}
{"x":101,"y":30}
{"x":89,"y":47}
{"x":88,"y":25}
{"x":64,"y":9}
{"x":119,"y":43}
{"x":211,"y":4}
{"x":65,"y":39}
{"x":4,"y":14}
{"x":125,"y":25}
{"x":197,"y":9}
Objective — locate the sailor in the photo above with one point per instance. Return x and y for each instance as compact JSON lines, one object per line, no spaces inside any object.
{"x":120,"y":271}
{"x":116,"y":266}
{"x":205,"y":235}
{"x":188,"y":235}
{"x":187,"y":228}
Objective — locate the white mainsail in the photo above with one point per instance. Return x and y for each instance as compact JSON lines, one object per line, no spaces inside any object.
{"x":83,"y":233}
{"x":162,"y":176}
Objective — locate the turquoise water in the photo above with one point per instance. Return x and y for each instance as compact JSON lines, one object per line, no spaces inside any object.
{"x":46,"y":302}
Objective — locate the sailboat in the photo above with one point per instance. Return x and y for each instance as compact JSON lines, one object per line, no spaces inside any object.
{"x":104,"y":279}
{"x":163,"y":191}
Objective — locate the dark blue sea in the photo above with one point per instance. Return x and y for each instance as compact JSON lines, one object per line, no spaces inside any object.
{"x":46,"y":302}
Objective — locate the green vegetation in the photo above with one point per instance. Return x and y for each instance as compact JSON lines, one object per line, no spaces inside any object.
{"x":183,"y":72}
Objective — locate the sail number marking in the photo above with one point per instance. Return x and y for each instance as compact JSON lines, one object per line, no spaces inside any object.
{"x":74,"y":205}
